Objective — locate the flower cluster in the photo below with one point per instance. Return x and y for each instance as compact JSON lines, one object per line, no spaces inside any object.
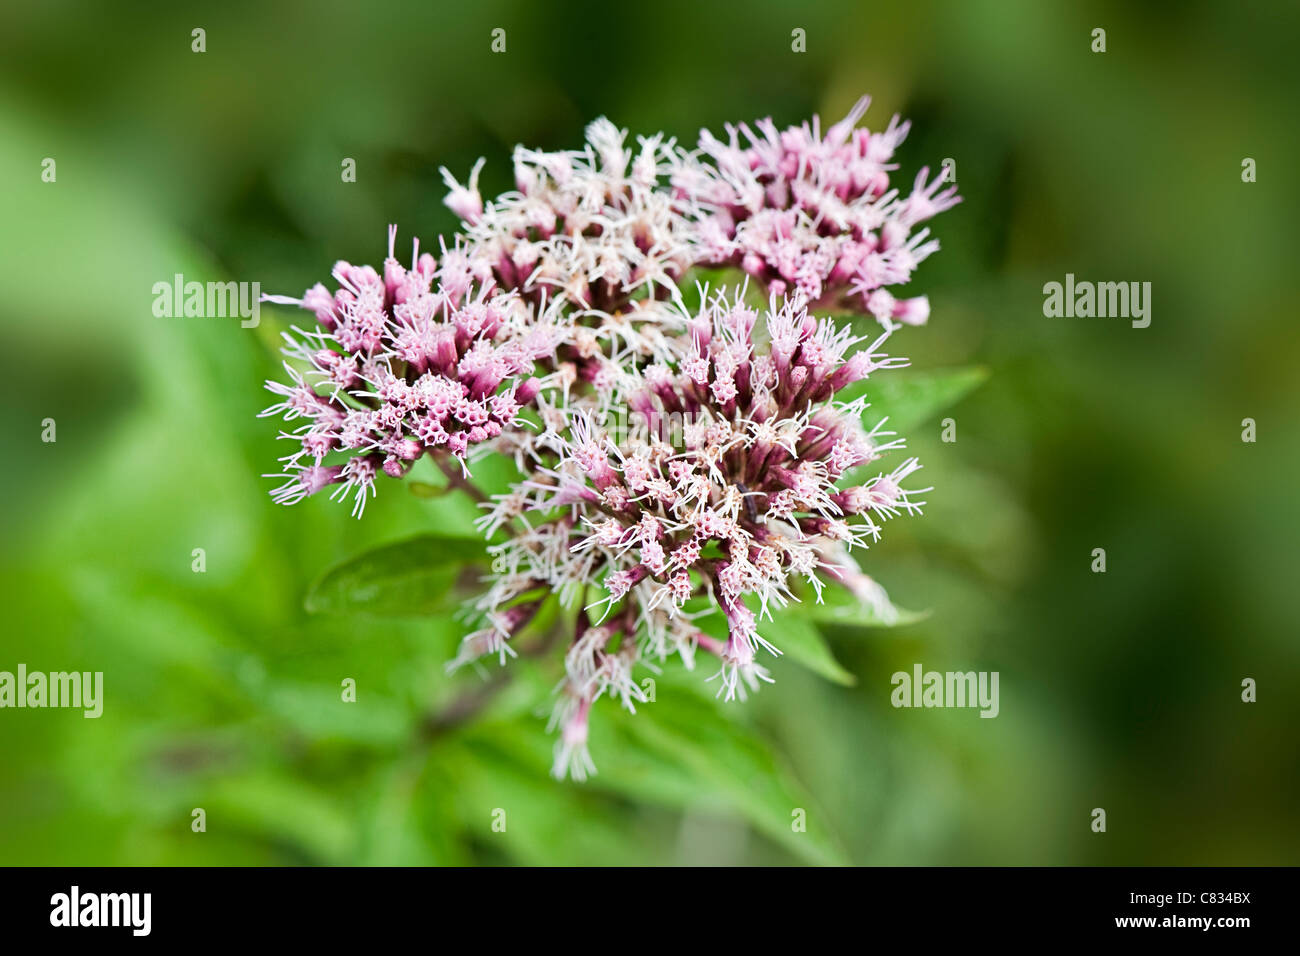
{"x":813,"y":215}
{"x":685,"y":472}
{"x":596,"y":228}
{"x":742,"y":479}
{"x":594,"y":225}
{"x":431,"y":359}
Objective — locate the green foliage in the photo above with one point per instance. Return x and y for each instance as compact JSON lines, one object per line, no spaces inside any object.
{"x":793,"y":634}
{"x":839,"y":607}
{"x":802,"y":643}
{"x":686,"y":751}
{"x":409,"y":578}
{"x":911,"y":397}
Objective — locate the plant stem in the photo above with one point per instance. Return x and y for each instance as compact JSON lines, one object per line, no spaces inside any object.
{"x":457,"y":480}
{"x":462,"y":709}
{"x":466,"y":706}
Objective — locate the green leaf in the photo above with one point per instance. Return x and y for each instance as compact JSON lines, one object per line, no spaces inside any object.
{"x":317,"y":712}
{"x":268,"y":807}
{"x":404,"y":820}
{"x":911,"y":398}
{"x":793,"y":636}
{"x":842,"y":608}
{"x":415,"y":577}
{"x":802,"y":643}
{"x":499,"y":779}
{"x":686,"y":752}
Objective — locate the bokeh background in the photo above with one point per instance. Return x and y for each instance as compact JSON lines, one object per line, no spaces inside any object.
{"x":1118,"y":690}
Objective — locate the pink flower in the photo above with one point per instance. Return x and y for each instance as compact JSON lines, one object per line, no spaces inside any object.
{"x":749,"y":481}
{"x":814,"y":216}
{"x":426,"y":360}
{"x":684,"y":471}
{"x":591,"y":225}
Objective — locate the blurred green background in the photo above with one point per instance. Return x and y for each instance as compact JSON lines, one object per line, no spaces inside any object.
{"x":1119,"y":691}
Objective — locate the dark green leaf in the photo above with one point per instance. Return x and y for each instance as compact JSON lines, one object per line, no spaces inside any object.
{"x":409,"y":578}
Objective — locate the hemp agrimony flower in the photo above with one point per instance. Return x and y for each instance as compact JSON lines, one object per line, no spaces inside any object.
{"x":591,"y":224}
{"x":815,"y":215}
{"x":431,"y":359}
{"x":596,"y":229}
{"x":685,"y":473}
{"x":747,"y":482}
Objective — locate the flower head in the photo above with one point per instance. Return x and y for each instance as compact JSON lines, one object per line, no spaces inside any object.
{"x":684,"y":472}
{"x":744,"y":482}
{"x":431,"y":359}
{"x":815,"y":215}
{"x":594,"y":229}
